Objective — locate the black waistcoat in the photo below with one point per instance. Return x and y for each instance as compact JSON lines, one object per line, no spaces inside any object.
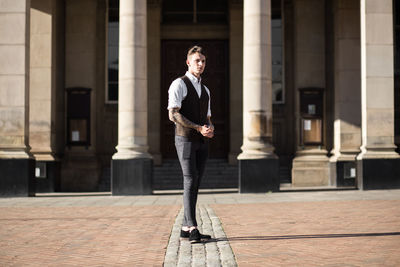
{"x":194,"y":109}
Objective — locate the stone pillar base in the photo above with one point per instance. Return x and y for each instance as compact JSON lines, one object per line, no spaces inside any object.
{"x":157,"y":158}
{"x":378,"y":173}
{"x":80,"y":173}
{"x":258,"y":175}
{"x":50,"y":183}
{"x":232,"y":158}
{"x":131,"y":176}
{"x":344,"y":172}
{"x":17,"y":177}
{"x":308,"y":172}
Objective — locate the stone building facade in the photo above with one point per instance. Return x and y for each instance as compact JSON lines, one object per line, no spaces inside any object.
{"x":307,"y":86}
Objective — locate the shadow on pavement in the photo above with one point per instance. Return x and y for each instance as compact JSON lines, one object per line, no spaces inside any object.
{"x":285,"y":237}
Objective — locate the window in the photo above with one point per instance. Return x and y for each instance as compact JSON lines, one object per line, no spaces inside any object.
{"x":112,"y":51}
{"x":278,"y":91}
{"x":195,"y":11}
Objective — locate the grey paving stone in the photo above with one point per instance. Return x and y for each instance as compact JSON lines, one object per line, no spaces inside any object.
{"x":227,"y":257}
{"x":198,"y":255}
{"x":215,"y":252}
{"x":171,"y":255}
{"x":185,"y":253}
{"x":212,"y":252}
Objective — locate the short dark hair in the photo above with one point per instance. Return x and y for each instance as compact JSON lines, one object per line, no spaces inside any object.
{"x":196,"y":49}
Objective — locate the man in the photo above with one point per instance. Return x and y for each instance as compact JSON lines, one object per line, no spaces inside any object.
{"x":189,"y":109}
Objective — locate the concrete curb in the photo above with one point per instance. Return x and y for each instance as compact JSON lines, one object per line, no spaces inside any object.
{"x":227,"y":258}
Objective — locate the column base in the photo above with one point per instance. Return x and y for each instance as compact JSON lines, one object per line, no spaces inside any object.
{"x":313,"y":171}
{"x":17,"y":177}
{"x":233,"y":158}
{"x":378,"y":174}
{"x":51,"y":182}
{"x":157,"y":158}
{"x":80,"y":172}
{"x":345,"y":173}
{"x":131,"y":176}
{"x":258,"y":175}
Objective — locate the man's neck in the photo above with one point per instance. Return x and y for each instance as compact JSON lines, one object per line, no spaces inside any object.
{"x":198,"y":77}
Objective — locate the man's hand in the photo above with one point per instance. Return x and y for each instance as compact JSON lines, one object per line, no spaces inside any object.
{"x":207,"y":131}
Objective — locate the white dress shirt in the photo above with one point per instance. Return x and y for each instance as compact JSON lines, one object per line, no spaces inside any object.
{"x":178,"y":91}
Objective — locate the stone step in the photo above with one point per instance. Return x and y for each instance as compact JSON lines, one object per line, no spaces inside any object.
{"x":218,"y":174}
{"x":168,"y":176}
{"x":285,"y":174}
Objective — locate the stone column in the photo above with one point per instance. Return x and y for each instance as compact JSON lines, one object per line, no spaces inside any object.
{"x":378,"y":163}
{"x":154,"y":73}
{"x":132,"y":164}
{"x":347,"y":92}
{"x":311,"y":164}
{"x":258,"y":165}
{"x":16,"y":162}
{"x":236,"y":78}
{"x":43,"y":84}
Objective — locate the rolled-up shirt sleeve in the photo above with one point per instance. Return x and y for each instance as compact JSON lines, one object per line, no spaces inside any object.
{"x":176,"y":94}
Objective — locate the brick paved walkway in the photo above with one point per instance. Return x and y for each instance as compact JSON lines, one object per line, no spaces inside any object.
{"x":335,"y":233}
{"x":85,"y":236}
{"x":339,"y":228}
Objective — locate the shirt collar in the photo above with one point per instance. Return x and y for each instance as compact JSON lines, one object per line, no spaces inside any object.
{"x":193,"y":78}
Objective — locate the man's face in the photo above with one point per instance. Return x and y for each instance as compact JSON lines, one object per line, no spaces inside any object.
{"x":196,"y":64}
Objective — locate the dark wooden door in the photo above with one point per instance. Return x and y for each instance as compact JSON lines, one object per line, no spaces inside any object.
{"x":215,"y":77}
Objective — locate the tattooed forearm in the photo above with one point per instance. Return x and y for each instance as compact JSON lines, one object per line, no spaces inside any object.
{"x":177,"y":117}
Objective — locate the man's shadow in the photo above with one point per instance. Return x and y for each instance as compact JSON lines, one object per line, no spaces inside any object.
{"x":286,"y":237}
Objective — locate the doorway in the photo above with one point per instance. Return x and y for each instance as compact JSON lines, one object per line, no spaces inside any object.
{"x":215,"y":77}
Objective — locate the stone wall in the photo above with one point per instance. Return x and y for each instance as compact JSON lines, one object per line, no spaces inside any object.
{"x":80,"y":166}
{"x":16,"y":162}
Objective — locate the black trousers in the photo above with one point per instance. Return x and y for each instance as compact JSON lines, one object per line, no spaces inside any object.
{"x":192,"y":157}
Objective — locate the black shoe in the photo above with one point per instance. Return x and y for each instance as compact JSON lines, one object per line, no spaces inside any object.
{"x":185,"y":234}
{"x":195,"y":236}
